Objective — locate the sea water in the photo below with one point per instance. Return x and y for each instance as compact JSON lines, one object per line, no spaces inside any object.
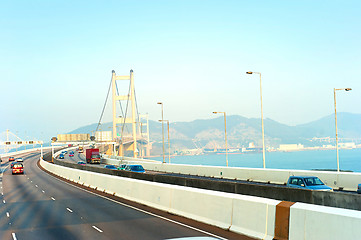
{"x":349,"y":159}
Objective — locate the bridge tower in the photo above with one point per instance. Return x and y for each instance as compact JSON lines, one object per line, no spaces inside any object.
{"x":124,"y":119}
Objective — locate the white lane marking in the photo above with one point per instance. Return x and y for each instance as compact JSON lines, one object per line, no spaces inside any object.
{"x":7,"y":214}
{"x":69,"y":209}
{"x":140,"y":210}
{"x":14,"y":236}
{"x":4,"y":201}
{"x":53,"y":198}
{"x":97,"y":229}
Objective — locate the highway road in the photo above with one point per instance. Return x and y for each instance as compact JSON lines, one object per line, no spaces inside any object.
{"x":37,"y":205}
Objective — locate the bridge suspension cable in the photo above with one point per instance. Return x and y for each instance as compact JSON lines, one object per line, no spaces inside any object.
{"x":106,"y":99}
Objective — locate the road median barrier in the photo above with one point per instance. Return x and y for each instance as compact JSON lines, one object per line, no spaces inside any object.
{"x":248,"y":215}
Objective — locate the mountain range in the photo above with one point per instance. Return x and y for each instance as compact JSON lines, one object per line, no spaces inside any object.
{"x":241,"y":131}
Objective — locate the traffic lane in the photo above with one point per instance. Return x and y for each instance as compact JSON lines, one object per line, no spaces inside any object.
{"x":81,"y":157}
{"x":76,"y":158}
{"x":30,"y":210}
{"x":106,"y":220}
{"x":111,"y":218}
{"x":4,"y":214}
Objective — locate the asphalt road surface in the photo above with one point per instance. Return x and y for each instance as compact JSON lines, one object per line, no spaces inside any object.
{"x":37,"y":205}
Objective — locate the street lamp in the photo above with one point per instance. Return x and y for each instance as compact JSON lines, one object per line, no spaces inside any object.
{"x":260,"y":83}
{"x":168,"y":138}
{"x":334,"y":97}
{"x":162,"y":130}
{"x":225,"y":134}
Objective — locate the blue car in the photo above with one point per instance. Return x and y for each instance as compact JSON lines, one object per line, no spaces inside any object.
{"x":135,"y":168}
{"x":307,"y":182}
{"x":61,"y":156}
{"x":110,"y":167}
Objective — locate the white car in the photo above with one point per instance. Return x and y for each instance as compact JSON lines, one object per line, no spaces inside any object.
{"x":19,"y":160}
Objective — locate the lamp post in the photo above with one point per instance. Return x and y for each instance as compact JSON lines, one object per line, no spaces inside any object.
{"x":263,"y":145}
{"x":52,"y":152}
{"x":334,"y":97}
{"x":225,"y":134}
{"x":41,"y":151}
{"x":168,"y":138}
{"x":162,"y":130}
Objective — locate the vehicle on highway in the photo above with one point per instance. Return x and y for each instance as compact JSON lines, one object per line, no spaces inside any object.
{"x":19,"y":160}
{"x":307,"y":182}
{"x":18,"y":168}
{"x":135,"y":168}
{"x":122,"y":167}
{"x":92,"y":155}
{"x":11,"y":159}
{"x":81,"y":163}
{"x":80,"y":149}
{"x":112,"y":167}
{"x":61,"y":156}
{"x":359,"y":188}
{"x":71,"y":154}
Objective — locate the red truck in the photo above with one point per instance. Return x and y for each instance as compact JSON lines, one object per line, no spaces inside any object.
{"x":92,"y":155}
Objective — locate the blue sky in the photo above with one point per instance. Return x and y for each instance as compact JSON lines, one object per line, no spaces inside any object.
{"x":56,"y":59}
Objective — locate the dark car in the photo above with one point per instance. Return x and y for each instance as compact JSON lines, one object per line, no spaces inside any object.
{"x":307,"y":182}
{"x":135,"y":168}
{"x":81,"y":163}
{"x":122,"y":167}
{"x":359,"y":188}
{"x":110,"y":167}
{"x":61,"y":156}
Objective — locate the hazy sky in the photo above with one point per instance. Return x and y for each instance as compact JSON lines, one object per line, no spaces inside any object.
{"x":56,"y":59}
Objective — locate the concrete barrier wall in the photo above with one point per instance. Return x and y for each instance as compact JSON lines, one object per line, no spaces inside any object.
{"x":346,"y":180}
{"x":318,"y":222}
{"x":252,"y":216}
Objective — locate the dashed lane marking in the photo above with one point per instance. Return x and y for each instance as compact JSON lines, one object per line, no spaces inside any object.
{"x":141,"y":210}
{"x":99,"y":230}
